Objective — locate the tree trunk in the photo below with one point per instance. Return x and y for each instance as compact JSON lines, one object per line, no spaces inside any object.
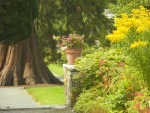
{"x":22,"y":63}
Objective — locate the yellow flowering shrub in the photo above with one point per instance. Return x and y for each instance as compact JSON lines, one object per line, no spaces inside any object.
{"x":138,"y":22}
{"x":133,"y":35}
{"x":138,"y":43}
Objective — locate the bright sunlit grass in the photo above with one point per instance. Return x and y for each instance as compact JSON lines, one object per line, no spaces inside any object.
{"x":56,"y":69}
{"x":48,"y":95}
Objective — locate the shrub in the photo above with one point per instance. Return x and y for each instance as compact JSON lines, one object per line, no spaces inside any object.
{"x":93,"y":67}
{"x":90,"y":102}
{"x":132,"y":34}
{"x":107,"y":83}
{"x":140,"y":102}
{"x":103,"y":69}
{"x":88,"y":50}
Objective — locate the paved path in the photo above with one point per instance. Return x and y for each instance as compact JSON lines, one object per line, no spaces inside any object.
{"x":17,"y":100}
{"x":61,"y":78}
{"x":16,"y":97}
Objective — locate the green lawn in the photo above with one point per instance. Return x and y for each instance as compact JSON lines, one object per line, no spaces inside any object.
{"x":56,"y":69}
{"x":48,"y":95}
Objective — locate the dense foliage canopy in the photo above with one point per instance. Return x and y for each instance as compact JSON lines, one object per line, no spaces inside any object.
{"x":17,"y":18}
{"x":65,"y":17}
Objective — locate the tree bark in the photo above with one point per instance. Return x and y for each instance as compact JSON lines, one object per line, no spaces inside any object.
{"x":22,"y":64}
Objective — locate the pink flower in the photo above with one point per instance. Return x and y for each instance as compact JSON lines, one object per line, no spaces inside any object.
{"x":139,"y":94}
{"x":137,"y":106}
{"x":70,"y":38}
{"x":148,"y":111}
{"x":121,"y":64}
{"x":101,"y":62}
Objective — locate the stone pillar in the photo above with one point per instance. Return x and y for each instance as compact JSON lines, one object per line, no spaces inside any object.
{"x":69,"y":84}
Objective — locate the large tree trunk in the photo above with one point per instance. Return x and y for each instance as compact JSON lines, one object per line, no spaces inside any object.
{"x":22,"y":63}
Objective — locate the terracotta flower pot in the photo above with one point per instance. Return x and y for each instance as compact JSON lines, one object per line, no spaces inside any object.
{"x":72,"y":54}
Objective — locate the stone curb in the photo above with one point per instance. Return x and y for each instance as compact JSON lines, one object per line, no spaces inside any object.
{"x":57,"y":107}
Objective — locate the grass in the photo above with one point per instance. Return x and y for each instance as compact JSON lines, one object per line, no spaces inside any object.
{"x":56,"y":69}
{"x":48,"y":95}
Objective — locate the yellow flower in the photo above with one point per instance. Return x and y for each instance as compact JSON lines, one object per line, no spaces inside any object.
{"x":123,"y":29}
{"x":136,"y":22}
{"x":135,"y":11}
{"x":140,"y":29}
{"x":124,"y":15}
{"x":115,"y":37}
{"x":138,"y":44}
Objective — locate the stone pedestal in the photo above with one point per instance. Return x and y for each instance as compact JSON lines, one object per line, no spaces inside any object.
{"x":69,"y":71}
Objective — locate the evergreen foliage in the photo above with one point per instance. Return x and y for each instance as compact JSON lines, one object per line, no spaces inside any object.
{"x":59,"y":18}
{"x":17,"y":18}
{"x":125,"y":6}
{"x":65,"y":17}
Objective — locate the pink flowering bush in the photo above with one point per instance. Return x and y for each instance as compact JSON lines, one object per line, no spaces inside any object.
{"x":72,"y":41}
{"x":140,"y":102}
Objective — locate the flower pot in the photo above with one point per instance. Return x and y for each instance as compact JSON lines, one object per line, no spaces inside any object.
{"x":72,"y":54}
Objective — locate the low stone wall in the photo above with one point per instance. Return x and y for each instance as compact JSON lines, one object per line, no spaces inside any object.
{"x":69,"y":84}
